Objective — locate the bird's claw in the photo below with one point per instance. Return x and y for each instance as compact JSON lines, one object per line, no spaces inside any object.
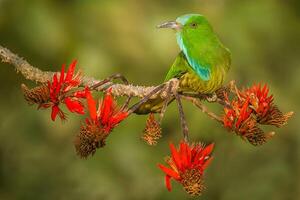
{"x":212,"y":97}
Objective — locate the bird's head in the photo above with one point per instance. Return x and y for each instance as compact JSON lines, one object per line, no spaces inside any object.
{"x":190,"y":24}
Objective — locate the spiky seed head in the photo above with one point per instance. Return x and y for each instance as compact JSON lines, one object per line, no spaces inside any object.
{"x":88,"y":140}
{"x":37,"y":95}
{"x":252,"y":132}
{"x":152,"y":131}
{"x":257,"y":137}
{"x":275,"y":117}
{"x":192,"y":181}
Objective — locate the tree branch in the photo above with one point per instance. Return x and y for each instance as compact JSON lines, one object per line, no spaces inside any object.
{"x":34,"y":74}
{"x":203,"y":108}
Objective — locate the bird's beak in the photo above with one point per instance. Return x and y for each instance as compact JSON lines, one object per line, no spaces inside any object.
{"x":171,"y":24}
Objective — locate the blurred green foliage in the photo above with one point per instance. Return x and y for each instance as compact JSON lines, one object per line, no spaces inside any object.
{"x":37,"y":157}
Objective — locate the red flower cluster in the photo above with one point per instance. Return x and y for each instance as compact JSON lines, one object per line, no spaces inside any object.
{"x":60,"y":92}
{"x":187,"y":165}
{"x":64,"y":88}
{"x":92,"y":135}
{"x":250,"y":107}
{"x":254,"y":100}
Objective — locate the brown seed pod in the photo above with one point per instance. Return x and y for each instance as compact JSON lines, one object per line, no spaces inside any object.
{"x":192,"y":181}
{"x":152,"y":131}
{"x":275,"y":117}
{"x":36,"y":95}
{"x":88,"y":140}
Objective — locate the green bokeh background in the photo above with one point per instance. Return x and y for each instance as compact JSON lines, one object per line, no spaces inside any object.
{"x":37,"y":157}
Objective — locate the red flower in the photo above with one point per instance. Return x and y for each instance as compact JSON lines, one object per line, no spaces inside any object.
{"x":237,"y":114}
{"x":60,"y":92}
{"x":108,"y":115}
{"x":259,"y":99}
{"x":187,"y":165}
{"x":254,"y":100}
{"x":93,"y":134}
{"x":242,"y":112}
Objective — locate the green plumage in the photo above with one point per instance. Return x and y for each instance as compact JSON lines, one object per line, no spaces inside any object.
{"x":201,"y":65}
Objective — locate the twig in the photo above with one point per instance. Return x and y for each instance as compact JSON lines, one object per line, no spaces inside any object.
{"x":146,"y":98}
{"x":203,"y":108}
{"x":126,"y":103}
{"x":104,"y":85}
{"x":223,"y":103}
{"x":200,"y":96}
{"x":108,"y":80}
{"x":184,"y":126}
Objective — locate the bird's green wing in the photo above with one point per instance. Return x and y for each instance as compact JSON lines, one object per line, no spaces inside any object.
{"x":179,"y":67}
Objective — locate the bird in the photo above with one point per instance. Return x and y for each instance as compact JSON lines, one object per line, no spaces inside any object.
{"x":202,"y":63}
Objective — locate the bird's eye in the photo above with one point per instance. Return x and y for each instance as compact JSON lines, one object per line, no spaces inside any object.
{"x":193,"y":25}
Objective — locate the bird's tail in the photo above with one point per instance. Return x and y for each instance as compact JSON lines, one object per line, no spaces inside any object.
{"x":151,"y":106}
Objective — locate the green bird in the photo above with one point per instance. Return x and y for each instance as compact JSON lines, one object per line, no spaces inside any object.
{"x":201,"y":65}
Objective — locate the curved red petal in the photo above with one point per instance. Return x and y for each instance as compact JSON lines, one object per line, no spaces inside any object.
{"x":243,"y":113}
{"x":114,"y":120}
{"x":208,"y":149}
{"x":169,"y":171}
{"x":55,"y":110}
{"x":55,"y":80}
{"x":80,"y":94}
{"x":257,"y":89}
{"x":91,"y":105}
{"x":183,"y":154}
{"x":62,"y":74}
{"x":54,"y":86}
{"x":168,"y":182}
{"x":74,"y":105}
{"x":71,"y":71}
{"x":176,"y":157}
{"x":106,"y":108}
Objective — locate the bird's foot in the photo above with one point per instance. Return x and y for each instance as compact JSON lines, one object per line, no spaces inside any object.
{"x":170,"y":88}
{"x":212,"y":97}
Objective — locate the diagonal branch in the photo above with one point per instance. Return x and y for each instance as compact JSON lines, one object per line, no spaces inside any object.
{"x":203,"y":108}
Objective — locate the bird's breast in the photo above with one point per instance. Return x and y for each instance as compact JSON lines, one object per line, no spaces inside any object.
{"x":191,"y":82}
